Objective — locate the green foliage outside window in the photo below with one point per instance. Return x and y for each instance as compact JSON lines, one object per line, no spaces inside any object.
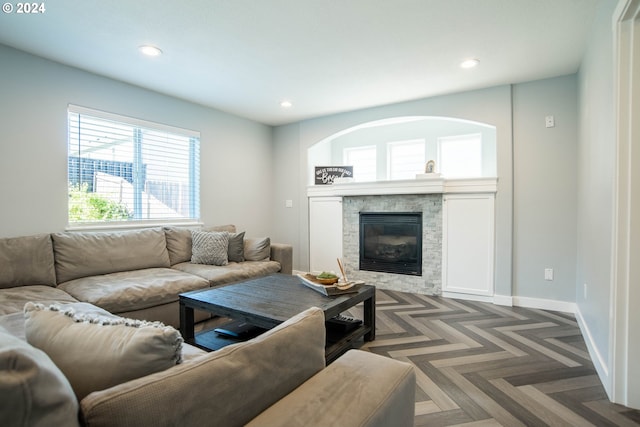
{"x":86,"y":207}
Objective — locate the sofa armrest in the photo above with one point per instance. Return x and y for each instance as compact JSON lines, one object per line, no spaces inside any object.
{"x":283,"y":253}
{"x":358,"y":389}
{"x":228,"y":387}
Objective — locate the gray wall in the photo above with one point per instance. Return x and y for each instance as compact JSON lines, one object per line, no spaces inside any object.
{"x":596,"y":163}
{"x":545,"y":188}
{"x":235,"y":187}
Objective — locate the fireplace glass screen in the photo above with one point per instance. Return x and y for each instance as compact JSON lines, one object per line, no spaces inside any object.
{"x":391,"y":242}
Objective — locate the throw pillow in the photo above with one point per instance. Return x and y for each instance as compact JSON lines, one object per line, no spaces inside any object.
{"x":257,"y":249}
{"x":34,"y":391}
{"x":209,"y":247}
{"x":96,"y":352}
{"x":236,"y":247}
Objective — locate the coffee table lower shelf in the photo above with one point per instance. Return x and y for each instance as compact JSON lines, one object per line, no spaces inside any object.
{"x":336,"y":344}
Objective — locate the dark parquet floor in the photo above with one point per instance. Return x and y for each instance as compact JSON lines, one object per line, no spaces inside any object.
{"x":479,"y":364}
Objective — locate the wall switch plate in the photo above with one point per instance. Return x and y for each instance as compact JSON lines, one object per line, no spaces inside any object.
{"x":549,"y":121}
{"x":548,"y":274}
{"x":288,"y":203}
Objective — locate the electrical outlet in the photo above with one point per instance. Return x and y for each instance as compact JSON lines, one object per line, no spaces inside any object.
{"x":548,"y":274}
{"x":549,"y":121}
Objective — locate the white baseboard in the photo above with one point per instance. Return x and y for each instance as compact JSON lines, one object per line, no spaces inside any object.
{"x":545,"y":304}
{"x":509,"y":301}
{"x":503,"y":300}
{"x":598,"y":362}
{"x":467,"y":297}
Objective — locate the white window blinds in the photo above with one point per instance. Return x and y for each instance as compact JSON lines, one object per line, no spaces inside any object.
{"x":124,"y":169}
{"x":405,"y":159}
{"x":363,"y":160}
{"x":460,"y":156}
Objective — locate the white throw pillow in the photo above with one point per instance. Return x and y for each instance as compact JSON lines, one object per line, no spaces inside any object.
{"x":97,"y":351}
{"x":210,"y":247}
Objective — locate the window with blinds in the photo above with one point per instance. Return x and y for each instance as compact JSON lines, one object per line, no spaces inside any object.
{"x":460,"y":156}
{"x":405,"y":159}
{"x":363,"y":160}
{"x":123,"y":169}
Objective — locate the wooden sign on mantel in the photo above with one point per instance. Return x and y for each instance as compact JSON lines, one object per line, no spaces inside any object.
{"x":326,"y":174}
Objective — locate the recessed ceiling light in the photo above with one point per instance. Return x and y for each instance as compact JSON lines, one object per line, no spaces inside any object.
{"x":286,"y":104}
{"x":469,"y":63}
{"x":150,"y":50}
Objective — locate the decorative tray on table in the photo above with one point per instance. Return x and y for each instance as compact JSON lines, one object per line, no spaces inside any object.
{"x":329,"y":289}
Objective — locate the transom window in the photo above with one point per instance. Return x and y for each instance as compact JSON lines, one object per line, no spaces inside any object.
{"x":405,"y":159}
{"x":125,"y":170}
{"x":363,"y":160}
{"x":460,"y":156}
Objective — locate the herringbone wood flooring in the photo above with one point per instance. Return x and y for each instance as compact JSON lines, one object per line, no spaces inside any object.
{"x":478,"y":364}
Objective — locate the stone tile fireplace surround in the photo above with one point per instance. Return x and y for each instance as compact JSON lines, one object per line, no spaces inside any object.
{"x":431,"y":207}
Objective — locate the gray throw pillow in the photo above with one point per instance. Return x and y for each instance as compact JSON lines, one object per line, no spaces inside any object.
{"x":236,"y":247}
{"x":209,"y":247}
{"x":257,"y":249}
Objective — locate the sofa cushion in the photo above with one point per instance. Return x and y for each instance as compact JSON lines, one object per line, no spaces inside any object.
{"x":257,"y":248}
{"x":179,"y":240}
{"x":178,"y":244}
{"x":229,"y":387}
{"x":229,"y":228}
{"x":88,"y":254}
{"x":232,"y":272}
{"x":27,"y":261}
{"x":12,"y":300}
{"x":210,"y":247}
{"x":133,"y":290}
{"x":97,"y":350}
{"x":236,"y":247}
{"x":375,"y":391}
{"x":34,"y":391}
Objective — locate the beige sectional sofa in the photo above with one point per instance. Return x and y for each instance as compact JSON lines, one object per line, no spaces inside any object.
{"x":137,"y":274}
{"x":70,"y":295}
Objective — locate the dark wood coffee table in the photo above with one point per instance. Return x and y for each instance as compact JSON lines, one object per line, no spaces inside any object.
{"x":268,"y":301}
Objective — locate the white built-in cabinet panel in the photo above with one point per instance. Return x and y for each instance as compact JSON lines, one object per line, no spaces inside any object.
{"x":468,"y":226}
{"x":325,"y":233}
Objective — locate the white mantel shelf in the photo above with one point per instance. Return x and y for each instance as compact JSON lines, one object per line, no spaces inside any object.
{"x":409,"y":186}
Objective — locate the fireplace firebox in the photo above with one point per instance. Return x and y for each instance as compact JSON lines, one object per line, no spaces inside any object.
{"x":391,"y":242}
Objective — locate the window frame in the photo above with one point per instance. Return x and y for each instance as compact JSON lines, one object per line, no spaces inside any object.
{"x":414,"y":141}
{"x":192,"y":170}
{"x":440,"y":163}
{"x":361,"y":148}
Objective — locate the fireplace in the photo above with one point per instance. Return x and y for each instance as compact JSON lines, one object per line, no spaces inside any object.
{"x":391,"y":242}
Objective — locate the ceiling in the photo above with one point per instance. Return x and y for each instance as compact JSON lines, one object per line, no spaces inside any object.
{"x":325,"y":56}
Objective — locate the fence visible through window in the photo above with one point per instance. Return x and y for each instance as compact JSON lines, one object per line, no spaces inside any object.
{"x":124,"y":169}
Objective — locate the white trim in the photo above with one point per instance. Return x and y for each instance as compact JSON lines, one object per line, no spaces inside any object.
{"x":406,"y":186}
{"x":545,"y":304}
{"x":118,"y":226}
{"x":598,"y":362}
{"x":506,"y":300}
{"x":526,"y":302}
{"x":132,"y":121}
{"x":467,"y":297}
{"x":623,"y":350}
